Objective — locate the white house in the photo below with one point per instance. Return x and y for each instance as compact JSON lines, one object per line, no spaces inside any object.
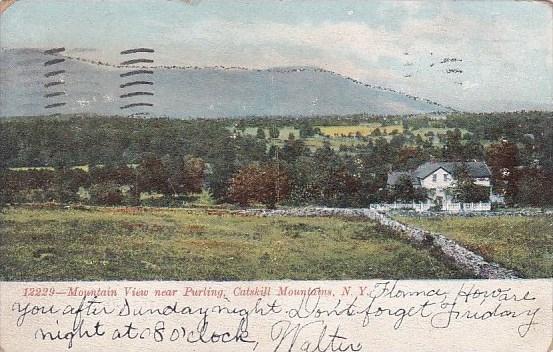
{"x":437,"y":177}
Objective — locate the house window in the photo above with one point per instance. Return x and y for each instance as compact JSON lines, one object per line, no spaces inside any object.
{"x":434,"y":178}
{"x":445,"y":177}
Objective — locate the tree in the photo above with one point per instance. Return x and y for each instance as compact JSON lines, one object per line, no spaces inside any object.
{"x":106,"y":193}
{"x":376,"y":132}
{"x":244,"y":185}
{"x":274,"y":132}
{"x":260,"y":133}
{"x":473,"y":150}
{"x":8,"y":188}
{"x":408,"y":158}
{"x":503,"y":158}
{"x":397,"y":141}
{"x":186,"y":175}
{"x":533,"y":188}
{"x":66,"y":183}
{"x":405,"y":191}
{"x":152,"y":176}
{"x":465,"y":190}
{"x":547,"y":150}
{"x":329,"y":179}
{"x":119,"y":174}
{"x":267,"y":184}
{"x":453,"y":148}
{"x":223,"y":166}
{"x":249,"y":149}
{"x":193,"y":172}
{"x":307,"y":130}
{"x":205,"y":198}
{"x":292,"y":149}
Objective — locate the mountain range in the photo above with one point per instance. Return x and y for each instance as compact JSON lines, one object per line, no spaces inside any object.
{"x":37,"y":83}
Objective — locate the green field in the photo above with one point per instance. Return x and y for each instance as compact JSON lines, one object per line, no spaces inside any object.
{"x":182,"y":244}
{"x":524,"y":244}
{"x":284,"y":132}
{"x":362,"y":129}
{"x":347,"y":135}
{"x":436,"y":131}
{"x":337,"y":135}
{"x":334,"y":131}
{"x":85,"y":168}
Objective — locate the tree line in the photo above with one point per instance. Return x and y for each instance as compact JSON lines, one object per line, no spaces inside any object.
{"x":128,"y":157}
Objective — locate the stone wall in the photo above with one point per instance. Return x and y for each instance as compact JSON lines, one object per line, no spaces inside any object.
{"x":436,"y":214}
{"x":460,"y":256}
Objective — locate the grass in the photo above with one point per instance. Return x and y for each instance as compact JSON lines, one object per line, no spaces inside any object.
{"x":38,"y":168}
{"x":335,"y":132}
{"x":521,"y":243}
{"x":185,"y":244}
{"x":363,"y":129}
{"x":340,"y":135}
{"x":423,"y":131}
{"x":85,"y":168}
{"x":312,"y":143}
{"x":284,"y":132}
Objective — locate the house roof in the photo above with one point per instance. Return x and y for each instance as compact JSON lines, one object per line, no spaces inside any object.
{"x":394,"y":177}
{"x":475,"y":169}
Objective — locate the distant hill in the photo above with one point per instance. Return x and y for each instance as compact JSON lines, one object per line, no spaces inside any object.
{"x":181,"y":92}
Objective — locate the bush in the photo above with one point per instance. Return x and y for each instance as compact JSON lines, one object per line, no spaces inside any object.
{"x":205,"y":198}
{"x":106,"y":194}
{"x":267,"y":184}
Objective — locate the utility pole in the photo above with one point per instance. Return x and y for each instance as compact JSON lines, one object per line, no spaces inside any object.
{"x":278,"y":177}
{"x":274,"y":144}
{"x":136,"y":191}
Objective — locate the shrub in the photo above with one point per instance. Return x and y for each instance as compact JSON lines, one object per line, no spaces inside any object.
{"x":266,"y":184}
{"x":107,"y":193}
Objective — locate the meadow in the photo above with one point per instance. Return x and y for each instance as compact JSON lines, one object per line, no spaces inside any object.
{"x":521,"y":243}
{"x":193,"y":244}
{"x":348,"y":135}
{"x":364,"y":129}
{"x":334,"y":135}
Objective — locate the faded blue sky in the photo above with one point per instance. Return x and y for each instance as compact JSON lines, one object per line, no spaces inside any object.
{"x":506,"y":46}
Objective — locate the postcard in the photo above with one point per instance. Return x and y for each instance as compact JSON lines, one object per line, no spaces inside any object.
{"x":280,"y":175}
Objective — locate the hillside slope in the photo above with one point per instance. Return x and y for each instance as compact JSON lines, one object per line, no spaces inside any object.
{"x":91,"y":87}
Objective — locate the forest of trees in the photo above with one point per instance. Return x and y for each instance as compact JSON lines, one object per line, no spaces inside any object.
{"x":126,"y":157}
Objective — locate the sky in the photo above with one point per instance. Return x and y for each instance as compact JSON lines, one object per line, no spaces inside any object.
{"x":506,"y":47}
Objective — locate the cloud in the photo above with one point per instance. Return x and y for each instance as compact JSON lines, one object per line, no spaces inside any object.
{"x":506,"y":53}
{"x":501,"y":57}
